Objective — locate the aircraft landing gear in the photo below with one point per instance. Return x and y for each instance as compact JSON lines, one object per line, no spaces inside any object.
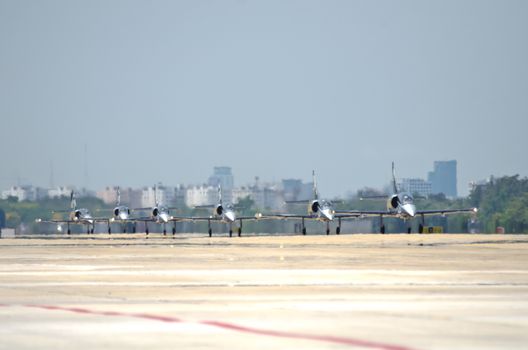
{"x":303,"y":227}
{"x":210,"y":230}
{"x":422,"y":224}
{"x":382,"y":226}
{"x":338,"y":228}
{"x":69,"y":231}
{"x":240,"y":229}
{"x":409,"y":229}
{"x":174,"y":229}
{"x":328,"y":228}
{"x":109,"y":230}
{"x":146,"y":229}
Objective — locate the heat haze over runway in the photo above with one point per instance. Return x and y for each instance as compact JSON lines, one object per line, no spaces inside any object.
{"x":350,"y":291}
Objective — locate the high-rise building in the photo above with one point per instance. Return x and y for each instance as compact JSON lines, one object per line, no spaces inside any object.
{"x":415,"y":186}
{"x":222,"y":176}
{"x":443,"y":178}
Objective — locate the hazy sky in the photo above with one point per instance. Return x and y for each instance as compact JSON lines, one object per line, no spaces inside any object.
{"x":165,"y":90}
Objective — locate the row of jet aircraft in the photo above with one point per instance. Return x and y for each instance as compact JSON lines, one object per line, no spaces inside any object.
{"x":399,"y":205}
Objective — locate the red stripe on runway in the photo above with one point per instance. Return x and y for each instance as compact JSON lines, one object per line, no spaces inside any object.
{"x":325,"y":338}
{"x":232,"y":327}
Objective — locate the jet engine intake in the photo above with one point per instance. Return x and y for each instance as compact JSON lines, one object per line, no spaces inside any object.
{"x":394,"y":201}
{"x":219,"y":210}
{"x":315,"y":206}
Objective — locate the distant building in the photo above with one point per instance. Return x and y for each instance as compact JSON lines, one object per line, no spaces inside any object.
{"x":266,"y":196}
{"x":443,"y":178}
{"x":223,"y":176}
{"x":295,"y":190}
{"x":201,"y":195}
{"x":163,"y":195}
{"x":60,"y":191}
{"x":23,"y":193}
{"x":415,"y":186}
{"x":129,"y":197}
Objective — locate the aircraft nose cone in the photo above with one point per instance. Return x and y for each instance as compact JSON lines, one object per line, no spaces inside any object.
{"x":164,"y":217}
{"x":328,"y":214}
{"x":122,"y":216}
{"x":410,"y":209}
{"x":230,"y":216}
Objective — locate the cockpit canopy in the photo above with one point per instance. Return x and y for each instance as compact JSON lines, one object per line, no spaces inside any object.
{"x":325,"y":204}
{"x":406,"y":198}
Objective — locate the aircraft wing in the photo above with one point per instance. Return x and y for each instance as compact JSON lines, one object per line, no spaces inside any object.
{"x":446,"y":211}
{"x":367,"y":213}
{"x":55,"y":221}
{"x":142,"y":219}
{"x":98,"y":219}
{"x":254,"y":217}
{"x":193,"y":218}
{"x":260,"y":216}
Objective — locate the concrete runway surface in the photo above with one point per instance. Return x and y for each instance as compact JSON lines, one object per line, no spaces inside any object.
{"x":357,"y":291}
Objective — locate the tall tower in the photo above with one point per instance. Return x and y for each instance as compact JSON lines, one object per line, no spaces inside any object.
{"x":443,"y":178}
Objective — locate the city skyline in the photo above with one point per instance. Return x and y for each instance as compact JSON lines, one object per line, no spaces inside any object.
{"x":223,"y":175}
{"x":136,"y":93}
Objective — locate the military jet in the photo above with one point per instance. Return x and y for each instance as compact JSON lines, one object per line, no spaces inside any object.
{"x":318,"y":209}
{"x":221,"y":213}
{"x":121,"y":214}
{"x":76,"y":215}
{"x":159,"y":214}
{"x":401,"y":205}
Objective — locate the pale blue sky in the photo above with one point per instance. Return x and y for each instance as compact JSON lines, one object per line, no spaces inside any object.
{"x":165,"y":90}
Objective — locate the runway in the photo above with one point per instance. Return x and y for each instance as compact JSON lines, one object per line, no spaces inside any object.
{"x":361,"y":291}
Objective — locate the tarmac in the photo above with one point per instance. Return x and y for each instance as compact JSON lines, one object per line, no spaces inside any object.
{"x":358,"y":291}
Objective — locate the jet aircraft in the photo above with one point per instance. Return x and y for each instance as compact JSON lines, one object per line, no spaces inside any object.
{"x":121,"y":214}
{"x":76,"y":216}
{"x":401,"y":205}
{"x":318,"y":209}
{"x":159,"y":214}
{"x":222,"y":213}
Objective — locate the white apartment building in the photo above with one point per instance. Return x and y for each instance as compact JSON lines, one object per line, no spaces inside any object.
{"x":23,"y":193}
{"x":164,"y":196}
{"x":201,"y":195}
{"x":419,"y":186}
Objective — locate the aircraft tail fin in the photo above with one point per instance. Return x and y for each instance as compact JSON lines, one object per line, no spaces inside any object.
{"x":394,"y":185}
{"x":315,"y":193}
{"x":73,"y":201}
{"x":118,"y":201}
{"x":156,"y":195}
{"x":220,"y":194}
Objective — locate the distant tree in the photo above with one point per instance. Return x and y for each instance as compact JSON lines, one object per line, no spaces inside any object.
{"x":245,"y":205}
{"x":439,"y":197}
{"x":369,"y":192}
